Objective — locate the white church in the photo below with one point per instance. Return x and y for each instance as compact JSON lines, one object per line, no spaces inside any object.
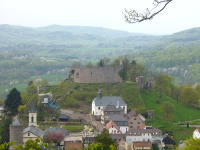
{"x":101,"y":102}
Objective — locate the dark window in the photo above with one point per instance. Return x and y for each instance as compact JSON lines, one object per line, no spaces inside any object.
{"x":99,"y":108}
{"x":32,"y":119}
{"x":28,"y":134}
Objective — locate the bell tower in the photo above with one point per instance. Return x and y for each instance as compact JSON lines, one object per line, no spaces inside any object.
{"x":33,"y":117}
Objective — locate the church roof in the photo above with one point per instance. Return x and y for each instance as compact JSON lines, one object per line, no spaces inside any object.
{"x":109,"y":100}
{"x":36,"y":131}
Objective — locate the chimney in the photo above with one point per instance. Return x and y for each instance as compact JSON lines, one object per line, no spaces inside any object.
{"x":100,"y":93}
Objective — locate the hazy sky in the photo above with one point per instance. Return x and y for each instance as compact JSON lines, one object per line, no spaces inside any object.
{"x":179,"y":15}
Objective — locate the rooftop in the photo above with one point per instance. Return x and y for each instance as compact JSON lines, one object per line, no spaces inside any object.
{"x":138,"y":132}
{"x":141,"y":144}
{"x":36,"y":131}
{"x":109,"y":100}
{"x":73,"y":138}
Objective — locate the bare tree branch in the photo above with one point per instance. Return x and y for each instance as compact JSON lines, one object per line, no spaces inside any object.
{"x":132,"y":16}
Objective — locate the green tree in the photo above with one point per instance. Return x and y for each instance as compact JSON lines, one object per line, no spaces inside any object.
{"x":125,"y":68}
{"x":105,"y":139}
{"x":163,"y":84}
{"x":191,"y":144}
{"x":168,"y":110}
{"x":12,"y":102}
{"x":189,"y":96}
{"x":4,"y":130}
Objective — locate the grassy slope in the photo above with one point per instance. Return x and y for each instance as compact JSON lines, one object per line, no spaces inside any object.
{"x":83,"y":96}
{"x":181,"y":113}
{"x":73,"y":94}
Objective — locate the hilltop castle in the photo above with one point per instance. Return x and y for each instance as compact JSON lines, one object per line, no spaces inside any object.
{"x":106,"y":74}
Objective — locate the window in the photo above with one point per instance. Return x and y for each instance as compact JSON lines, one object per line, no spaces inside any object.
{"x":99,"y":108}
{"x":28,"y":134}
{"x":32,"y":119}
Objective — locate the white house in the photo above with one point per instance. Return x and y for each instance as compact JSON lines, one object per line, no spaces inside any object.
{"x":196,"y":133}
{"x":99,"y":103}
{"x":32,"y":132}
{"x":112,"y":128}
{"x":148,"y":135}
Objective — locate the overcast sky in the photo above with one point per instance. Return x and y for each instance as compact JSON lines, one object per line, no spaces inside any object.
{"x":179,"y":15}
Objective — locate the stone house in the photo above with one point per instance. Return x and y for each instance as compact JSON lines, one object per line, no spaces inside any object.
{"x":106,"y":74}
{"x":135,"y":121}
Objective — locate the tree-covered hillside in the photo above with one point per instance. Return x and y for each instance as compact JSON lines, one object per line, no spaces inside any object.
{"x":49,"y":52}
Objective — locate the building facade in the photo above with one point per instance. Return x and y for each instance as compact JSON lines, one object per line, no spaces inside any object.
{"x":100,"y":103}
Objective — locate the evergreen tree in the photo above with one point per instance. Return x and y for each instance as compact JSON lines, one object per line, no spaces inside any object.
{"x":12,"y":102}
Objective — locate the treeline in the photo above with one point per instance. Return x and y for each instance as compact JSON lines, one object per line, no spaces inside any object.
{"x":188,"y":95}
{"x":181,"y":62}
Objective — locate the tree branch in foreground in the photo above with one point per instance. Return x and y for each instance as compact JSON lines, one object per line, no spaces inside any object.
{"x":132,"y":16}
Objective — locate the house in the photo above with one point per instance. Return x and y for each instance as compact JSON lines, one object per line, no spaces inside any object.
{"x":32,"y":133}
{"x":120,"y":120}
{"x":45,"y":98}
{"x":106,"y":74}
{"x":142,"y":146}
{"x":196,"y":133}
{"x":148,"y":135}
{"x":73,"y":143}
{"x":135,"y":121}
{"x":112,"y":128}
{"x":109,"y":110}
{"x":101,"y":102}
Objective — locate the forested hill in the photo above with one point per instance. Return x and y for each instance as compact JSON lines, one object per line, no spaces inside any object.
{"x":48,"y":52}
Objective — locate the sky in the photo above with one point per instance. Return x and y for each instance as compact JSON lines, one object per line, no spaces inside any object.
{"x":178,"y":16}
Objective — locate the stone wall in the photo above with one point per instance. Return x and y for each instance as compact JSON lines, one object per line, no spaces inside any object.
{"x":105,"y":74}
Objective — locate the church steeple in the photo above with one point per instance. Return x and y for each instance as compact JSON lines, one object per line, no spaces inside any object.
{"x":33,"y":117}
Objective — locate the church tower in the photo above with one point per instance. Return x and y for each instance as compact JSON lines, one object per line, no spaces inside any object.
{"x":33,"y":117}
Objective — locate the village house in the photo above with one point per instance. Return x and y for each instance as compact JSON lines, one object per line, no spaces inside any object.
{"x":32,"y":132}
{"x":142,"y":146}
{"x":45,"y":98}
{"x":105,"y":74}
{"x":112,"y":128}
{"x":101,"y":102}
{"x":148,"y":135}
{"x":120,"y":120}
{"x":196,"y":133}
{"x":73,"y":143}
{"x":135,"y":121}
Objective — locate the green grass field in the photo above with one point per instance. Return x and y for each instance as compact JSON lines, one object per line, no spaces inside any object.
{"x":181,"y":113}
